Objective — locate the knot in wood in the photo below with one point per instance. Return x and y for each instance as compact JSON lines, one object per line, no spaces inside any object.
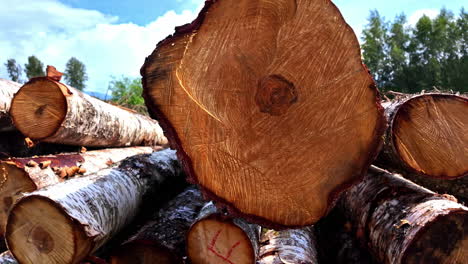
{"x":275,"y":94}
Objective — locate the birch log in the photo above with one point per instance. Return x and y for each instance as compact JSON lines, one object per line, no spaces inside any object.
{"x":427,"y":135}
{"x":47,"y":110}
{"x":288,"y":246}
{"x":162,"y":240}
{"x":217,"y":238}
{"x":7,"y":258}
{"x":402,"y":222}
{"x":7,"y":91}
{"x":65,"y":222}
{"x":20,"y":175}
{"x":244,"y":106}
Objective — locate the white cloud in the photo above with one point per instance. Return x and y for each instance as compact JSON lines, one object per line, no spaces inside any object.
{"x":416,"y":15}
{"x":55,"y":32}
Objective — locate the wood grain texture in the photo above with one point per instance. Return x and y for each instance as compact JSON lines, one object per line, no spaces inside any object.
{"x":402,"y":222}
{"x":21,"y":175}
{"x":267,"y":101}
{"x":162,"y":239}
{"x":7,"y":91}
{"x":215,"y":237}
{"x":66,"y":222}
{"x":49,"y":111}
{"x":427,"y":135}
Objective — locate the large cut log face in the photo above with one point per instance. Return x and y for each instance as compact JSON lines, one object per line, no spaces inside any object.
{"x":444,"y":241}
{"x":40,"y":228}
{"x":214,"y":240}
{"x":42,"y":117}
{"x":270,"y":104}
{"x":430,"y":133}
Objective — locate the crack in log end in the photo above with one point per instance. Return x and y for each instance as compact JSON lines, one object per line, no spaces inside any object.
{"x":40,"y":110}
{"x":41,"y":239}
{"x":275,"y":94}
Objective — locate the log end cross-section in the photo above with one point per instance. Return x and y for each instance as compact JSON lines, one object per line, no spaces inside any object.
{"x":430,"y":135}
{"x":269,"y":106}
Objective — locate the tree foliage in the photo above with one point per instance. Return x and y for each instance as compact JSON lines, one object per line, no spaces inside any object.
{"x":127,"y":92}
{"x":34,"y":67}
{"x":14,"y":70}
{"x":431,"y":54}
{"x":75,"y":74}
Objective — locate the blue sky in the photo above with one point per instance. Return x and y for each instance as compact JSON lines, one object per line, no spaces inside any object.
{"x":113,"y":37}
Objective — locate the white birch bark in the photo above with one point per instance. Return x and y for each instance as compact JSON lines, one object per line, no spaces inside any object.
{"x":7,"y":91}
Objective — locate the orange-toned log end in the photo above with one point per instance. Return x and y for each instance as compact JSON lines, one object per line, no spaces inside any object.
{"x":40,"y":232}
{"x":269,"y":106}
{"x":217,"y":240}
{"x":144,"y":253}
{"x":39,"y":108}
{"x":430,"y":135}
{"x":13,"y":181}
{"x":445,"y":241}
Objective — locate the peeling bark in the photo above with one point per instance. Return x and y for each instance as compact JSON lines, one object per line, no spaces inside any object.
{"x":49,"y":111}
{"x":288,"y":246}
{"x":214,"y":237}
{"x":162,"y":239}
{"x":427,"y":135}
{"x":19,"y":175}
{"x":7,"y":91}
{"x":402,"y":222}
{"x":68,"y":221}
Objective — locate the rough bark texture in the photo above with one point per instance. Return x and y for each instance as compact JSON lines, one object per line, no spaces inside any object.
{"x":288,"y":246}
{"x":237,"y":77}
{"x":69,"y":220}
{"x":7,"y":258}
{"x":50,"y":111}
{"x":20,"y":175}
{"x":217,"y":238}
{"x":7,"y":91}
{"x":162,"y":239}
{"x":427,"y":135}
{"x":402,"y":222}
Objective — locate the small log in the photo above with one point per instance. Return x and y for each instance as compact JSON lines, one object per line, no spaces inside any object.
{"x":7,"y":91}
{"x":162,"y":239}
{"x":236,"y":102}
{"x":402,"y":222}
{"x":65,"y":222}
{"x":49,"y":111}
{"x":217,"y":238}
{"x":427,"y":135}
{"x":20,"y":175}
{"x":288,"y":246}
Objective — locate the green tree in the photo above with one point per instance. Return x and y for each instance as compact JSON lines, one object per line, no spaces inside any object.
{"x":397,"y":42}
{"x":127,"y":92}
{"x":75,"y":74}
{"x":14,"y":70}
{"x":34,"y":67}
{"x":374,"y":48}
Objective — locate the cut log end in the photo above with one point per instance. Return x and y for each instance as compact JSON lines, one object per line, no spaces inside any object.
{"x":215,"y":240}
{"x":44,"y":233}
{"x":13,"y":182}
{"x":142,"y":253}
{"x":430,"y":136}
{"x":444,"y":241}
{"x":256,"y":89}
{"x":44,"y":116}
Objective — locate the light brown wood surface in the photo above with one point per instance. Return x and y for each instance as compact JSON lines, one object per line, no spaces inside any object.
{"x":269,"y":106}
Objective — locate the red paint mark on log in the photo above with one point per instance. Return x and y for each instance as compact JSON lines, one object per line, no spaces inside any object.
{"x":212,"y":249}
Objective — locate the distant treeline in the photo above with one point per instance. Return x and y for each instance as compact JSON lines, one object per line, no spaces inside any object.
{"x":406,"y":58}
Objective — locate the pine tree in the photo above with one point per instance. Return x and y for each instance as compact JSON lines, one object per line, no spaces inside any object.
{"x":34,"y":67}
{"x":14,"y":70}
{"x":75,"y":74}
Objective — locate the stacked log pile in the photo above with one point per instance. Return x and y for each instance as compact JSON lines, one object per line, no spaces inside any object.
{"x":275,"y":122}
